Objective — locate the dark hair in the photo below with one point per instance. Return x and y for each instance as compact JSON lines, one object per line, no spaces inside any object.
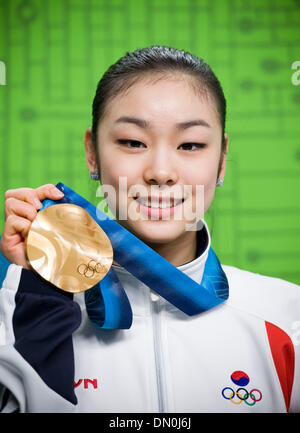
{"x":163,"y":61}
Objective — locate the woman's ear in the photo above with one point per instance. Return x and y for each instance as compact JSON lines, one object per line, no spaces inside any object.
{"x":222,"y":167}
{"x":90,"y":151}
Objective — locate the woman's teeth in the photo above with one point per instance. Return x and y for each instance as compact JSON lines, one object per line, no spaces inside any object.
{"x":162,"y":204}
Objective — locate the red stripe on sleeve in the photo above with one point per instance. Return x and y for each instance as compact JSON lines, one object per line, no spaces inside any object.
{"x":283,"y":354}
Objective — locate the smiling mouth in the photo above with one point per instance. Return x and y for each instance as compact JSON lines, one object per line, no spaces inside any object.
{"x":159,"y":202}
{"x":158,"y":208}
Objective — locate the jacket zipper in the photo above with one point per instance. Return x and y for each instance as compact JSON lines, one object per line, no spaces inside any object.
{"x":158,"y":354}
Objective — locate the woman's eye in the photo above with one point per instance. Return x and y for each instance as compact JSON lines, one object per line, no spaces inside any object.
{"x":192,"y":146}
{"x":131,"y":143}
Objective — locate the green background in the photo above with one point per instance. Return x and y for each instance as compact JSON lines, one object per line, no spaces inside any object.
{"x":55,"y":52}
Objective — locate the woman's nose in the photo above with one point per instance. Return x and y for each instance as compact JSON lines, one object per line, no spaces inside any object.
{"x":160,"y":169}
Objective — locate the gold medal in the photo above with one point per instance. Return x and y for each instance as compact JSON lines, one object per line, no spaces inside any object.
{"x":68,"y":248}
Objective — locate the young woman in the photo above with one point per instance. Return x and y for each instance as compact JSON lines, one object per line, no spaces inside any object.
{"x":159,"y":126}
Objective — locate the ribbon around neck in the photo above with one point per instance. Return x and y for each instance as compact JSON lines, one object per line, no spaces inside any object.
{"x":107,"y":303}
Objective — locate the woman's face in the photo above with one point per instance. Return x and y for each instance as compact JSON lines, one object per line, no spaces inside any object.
{"x":159,"y":149}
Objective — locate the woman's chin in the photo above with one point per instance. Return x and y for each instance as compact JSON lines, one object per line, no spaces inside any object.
{"x":156,"y":232}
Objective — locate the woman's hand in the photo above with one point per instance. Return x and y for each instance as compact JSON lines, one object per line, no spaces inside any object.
{"x":21,"y":206}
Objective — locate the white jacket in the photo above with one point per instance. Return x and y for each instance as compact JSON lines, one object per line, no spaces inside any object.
{"x":241,"y":356}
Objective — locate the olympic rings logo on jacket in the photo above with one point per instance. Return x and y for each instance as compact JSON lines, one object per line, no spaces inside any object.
{"x":255,"y":395}
{"x":241,"y":395}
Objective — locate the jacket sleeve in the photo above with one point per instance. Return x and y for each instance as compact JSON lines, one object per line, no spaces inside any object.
{"x":36,"y":349}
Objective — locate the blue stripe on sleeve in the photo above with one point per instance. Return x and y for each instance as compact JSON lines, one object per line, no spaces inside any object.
{"x":43,"y":322}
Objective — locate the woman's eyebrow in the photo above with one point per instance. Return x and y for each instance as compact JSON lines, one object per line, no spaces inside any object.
{"x":189,"y":123}
{"x":146,"y":125}
{"x":139,"y":122}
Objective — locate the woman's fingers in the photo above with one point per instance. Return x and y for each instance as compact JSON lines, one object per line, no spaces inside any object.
{"x":12,"y":243}
{"x":21,"y":206}
{"x":14,"y":206}
{"x":35,"y":196}
{"x":15,"y":225}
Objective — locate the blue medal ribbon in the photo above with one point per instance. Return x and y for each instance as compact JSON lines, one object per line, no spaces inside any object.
{"x":107,"y":303}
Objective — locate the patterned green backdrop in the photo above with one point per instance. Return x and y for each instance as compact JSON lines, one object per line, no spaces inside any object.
{"x":55,"y":51}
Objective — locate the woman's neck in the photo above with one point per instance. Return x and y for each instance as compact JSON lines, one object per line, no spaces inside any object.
{"x":179,"y":251}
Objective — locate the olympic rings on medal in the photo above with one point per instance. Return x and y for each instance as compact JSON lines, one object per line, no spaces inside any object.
{"x":91,"y":268}
{"x":230,"y":396}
